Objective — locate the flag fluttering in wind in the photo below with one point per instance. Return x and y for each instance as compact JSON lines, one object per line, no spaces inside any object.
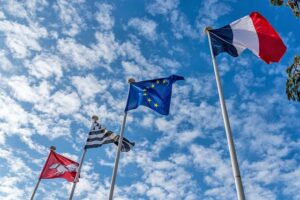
{"x":154,"y":94}
{"x":251,"y":32}
{"x":58,"y":166}
{"x":98,"y":136}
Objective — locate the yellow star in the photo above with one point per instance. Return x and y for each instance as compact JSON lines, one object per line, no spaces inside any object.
{"x":157,"y":81}
{"x":164,"y":81}
{"x":145,"y":94}
{"x":149,"y":100}
{"x":144,"y":90}
{"x":155,"y":105}
{"x":152,"y":85}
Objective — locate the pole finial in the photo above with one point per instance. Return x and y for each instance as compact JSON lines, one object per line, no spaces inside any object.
{"x":95,"y":118}
{"x":52,"y":148}
{"x":207,"y":28}
{"x":131,"y":80}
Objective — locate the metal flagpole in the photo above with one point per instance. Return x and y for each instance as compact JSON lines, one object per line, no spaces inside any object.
{"x":115,"y":170}
{"x":34,"y":191}
{"x":233,"y":158}
{"x":52,"y":148}
{"x":77,"y":175}
{"x":94,"y":118}
{"x":113,"y":179}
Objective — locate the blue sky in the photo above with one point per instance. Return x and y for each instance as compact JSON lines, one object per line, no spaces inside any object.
{"x":63,"y":61}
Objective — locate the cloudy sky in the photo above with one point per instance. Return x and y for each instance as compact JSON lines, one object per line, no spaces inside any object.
{"x":63,"y":61}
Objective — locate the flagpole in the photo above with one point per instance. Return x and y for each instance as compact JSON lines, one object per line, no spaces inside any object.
{"x":77,"y":175}
{"x":233,"y":158}
{"x":36,"y":187}
{"x":94,"y":118}
{"x":52,"y":148}
{"x":115,"y":170}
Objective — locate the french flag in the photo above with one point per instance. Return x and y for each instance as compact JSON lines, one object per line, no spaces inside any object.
{"x":251,"y":32}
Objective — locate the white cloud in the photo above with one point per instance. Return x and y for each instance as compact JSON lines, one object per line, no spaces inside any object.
{"x":210,"y":12}
{"x":2,"y":15}
{"x":187,"y":137}
{"x":162,"y":6}
{"x":77,"y":53}
{"x":131,"y":51}
{"x":180,"y":23}
{"x":218,"y":170}
{"x":104,"y":51}
{"x":181,"y":26}
{"x":89,"y":86}
{"x":69,"y":14}
{"x":60,"y":103}
{"x":25,"y":9}
{"x":12,"y":117}
{"x":21,"y":39}
{"x":145,"y":27}
{"x":17,"y":9}
{"x":107,"y":47}
{"x":5,"y":63}
{"x":104,"y":16}
{"x":23,"y":91}
{"x":45,"y":66}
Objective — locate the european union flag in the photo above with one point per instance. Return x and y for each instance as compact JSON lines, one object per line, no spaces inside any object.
{"x":154,"y":94}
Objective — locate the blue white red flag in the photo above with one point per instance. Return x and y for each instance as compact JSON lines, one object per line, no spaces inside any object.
{"x":251,"y":32}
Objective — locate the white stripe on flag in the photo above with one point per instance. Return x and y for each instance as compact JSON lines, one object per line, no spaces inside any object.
{"x":96,"y":136}
{"x":99,"y":142}
{"x":245,"y":35}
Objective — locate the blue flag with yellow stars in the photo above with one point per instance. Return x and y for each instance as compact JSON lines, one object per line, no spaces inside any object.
{"x":154,"y":94}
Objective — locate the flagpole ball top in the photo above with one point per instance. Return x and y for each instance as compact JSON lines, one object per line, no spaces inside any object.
{"x":207,"y":28}
{"x":95,"y":117}
{"x":52,"y":148}
{"x":131,"y":80}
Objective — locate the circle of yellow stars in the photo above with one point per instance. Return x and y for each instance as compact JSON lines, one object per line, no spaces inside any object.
{"x":149,"y":100}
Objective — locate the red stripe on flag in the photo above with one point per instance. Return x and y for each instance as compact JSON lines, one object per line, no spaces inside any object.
{"x":271,"y":47}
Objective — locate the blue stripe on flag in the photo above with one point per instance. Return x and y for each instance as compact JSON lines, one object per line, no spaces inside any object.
{"x":222,"y":41}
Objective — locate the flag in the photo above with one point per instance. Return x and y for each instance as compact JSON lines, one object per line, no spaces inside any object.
{"x":58,"y":166}
{"x":251,"y":32}
{"x":126,"y":144}
{"x":98,"y":136}
{"x":154,"y":94}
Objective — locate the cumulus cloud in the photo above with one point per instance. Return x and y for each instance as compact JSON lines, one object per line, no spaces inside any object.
{"x":162,"y":7}
{"x":145,"y":27}
{"x":5,"y":63}
{"x":104,"y":16}
{"x":22,"y":39}
{"x":70,"y":17}
{"x":89,"y":86}
{"x":181,"y":26}
{"x":210,"y":12}
{"x":45,"y":66}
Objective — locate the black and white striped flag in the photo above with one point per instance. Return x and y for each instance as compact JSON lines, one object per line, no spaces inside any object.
{"x":98,"y":136}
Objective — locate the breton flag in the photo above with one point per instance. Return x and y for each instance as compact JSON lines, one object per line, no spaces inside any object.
{"x":58,"y":166}
{"x":251,"y":32}
{"x":98,"y":136}
{"x":155,"y":94}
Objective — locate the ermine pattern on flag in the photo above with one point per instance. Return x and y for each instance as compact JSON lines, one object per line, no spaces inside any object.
{"x":99,"y":135}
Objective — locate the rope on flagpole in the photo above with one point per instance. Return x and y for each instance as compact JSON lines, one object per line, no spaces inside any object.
{"x":115,"y":170}
{"x":52,"y":148}
{"x":94,"y":118}
{"x":232,"y":152}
